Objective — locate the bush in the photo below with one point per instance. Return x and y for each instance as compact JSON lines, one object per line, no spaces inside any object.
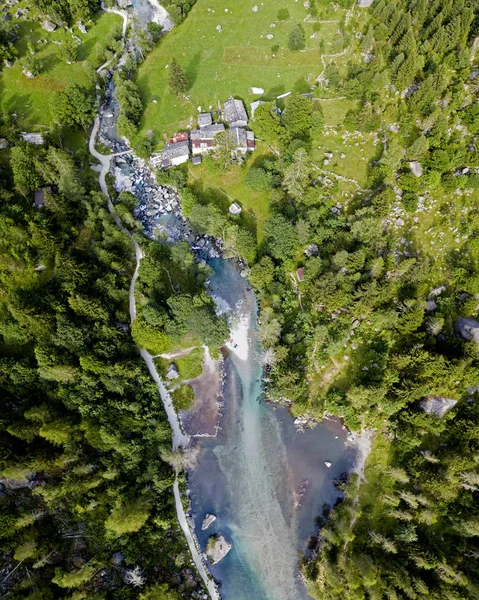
{"x":183,"y":397}
{"x":283,"y":14}
{"x":258,"y":180}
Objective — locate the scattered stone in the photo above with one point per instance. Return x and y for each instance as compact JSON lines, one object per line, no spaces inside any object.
{"x":8,"y":63}
{"x":219,"y":28}
{"x":269,"y":36}
{"x":81,"y":27}
{"x":431,"y":305}
{"x":312,"y":250}
{"x":342,"y":155}
{"x":437,"y":405}
{"x":124,"y":3}
{"x":255,"y":8}
{"x":3,"y":143}
{"x":437,"y":291}
{"x":28,"y":74}
{"x":217,"y":548}
{"x":208,"y":521}
{"x":328,"y":464}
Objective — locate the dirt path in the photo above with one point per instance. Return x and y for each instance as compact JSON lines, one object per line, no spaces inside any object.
{"x":340,"y":177}
{"x":179,"y":439}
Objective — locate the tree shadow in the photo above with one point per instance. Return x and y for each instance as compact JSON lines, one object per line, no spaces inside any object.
{"x":273,"y":93}
{"x":191,"y":70}
{"x":301,"y":86}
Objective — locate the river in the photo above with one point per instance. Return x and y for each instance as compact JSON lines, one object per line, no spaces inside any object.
{"x":265,"y":480}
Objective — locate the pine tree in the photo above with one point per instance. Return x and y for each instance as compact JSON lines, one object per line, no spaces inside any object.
{"x":178,"y":80}
{"x":297,"y":39}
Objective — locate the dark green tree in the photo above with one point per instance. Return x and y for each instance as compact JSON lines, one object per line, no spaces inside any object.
{"x":178,"y":81}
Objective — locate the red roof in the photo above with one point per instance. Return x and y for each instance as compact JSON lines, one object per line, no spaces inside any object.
{"x":179,"y":137}
{"x":300,"y":274}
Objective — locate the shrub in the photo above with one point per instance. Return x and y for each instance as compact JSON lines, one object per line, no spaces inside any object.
{"x":283,"y":14}
{"x":297,"y":39}
{"x":258,"y":179}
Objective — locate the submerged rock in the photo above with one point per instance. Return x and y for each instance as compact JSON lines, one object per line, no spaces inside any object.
{"x":208,"y":521}
{"x":217,"y":548}
{"x":437,"y":405}
{"x":328,"y":464}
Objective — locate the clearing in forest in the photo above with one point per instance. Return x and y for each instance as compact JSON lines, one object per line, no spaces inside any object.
{"x":219,"y":64}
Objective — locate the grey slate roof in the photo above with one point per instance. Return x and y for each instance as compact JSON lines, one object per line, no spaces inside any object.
{"x":206,"y":133}
{"x":238,"y":134}
{"x":174,"y":150}
{"x":204,"y":119}
{"x":235,"y":111}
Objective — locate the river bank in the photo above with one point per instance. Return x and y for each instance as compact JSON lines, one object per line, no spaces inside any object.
{"x":265,"y":480}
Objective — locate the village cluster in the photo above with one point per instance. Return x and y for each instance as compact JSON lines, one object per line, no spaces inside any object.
{"x":201,"y":141}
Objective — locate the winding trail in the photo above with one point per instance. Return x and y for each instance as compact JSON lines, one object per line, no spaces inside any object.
{"x":340,"y":177}
{"x":179,"y":439}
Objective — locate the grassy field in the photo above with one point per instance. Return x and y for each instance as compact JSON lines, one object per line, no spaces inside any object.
{"x":230,"y":62}
{"x":30,"y":98}
{"x":211,"y":184}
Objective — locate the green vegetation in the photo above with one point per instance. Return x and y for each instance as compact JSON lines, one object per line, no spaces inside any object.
{"x":30,"y":99}
{"x":177,"y":79}
{"x":221,"y":64}
{"x":82,"y":422}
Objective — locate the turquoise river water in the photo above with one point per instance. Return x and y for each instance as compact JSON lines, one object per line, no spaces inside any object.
{"x":264,"y":480}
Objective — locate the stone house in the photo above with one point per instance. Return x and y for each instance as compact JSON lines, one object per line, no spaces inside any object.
{"x":39,"y":196}
{"x":203,"y":140}
{"x":235,"y":113}
{"x":243,"y":140}
{"x":173,"y":155}
{"x":204,"y":120}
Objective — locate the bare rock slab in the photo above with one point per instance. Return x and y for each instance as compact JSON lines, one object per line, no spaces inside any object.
{"x":217,"y":548}
{"x":437,"y":405}
{"x":208,"y":521}
{"x":468,"y":329}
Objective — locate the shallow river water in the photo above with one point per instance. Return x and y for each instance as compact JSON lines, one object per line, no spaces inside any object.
{"x":265,"y":481}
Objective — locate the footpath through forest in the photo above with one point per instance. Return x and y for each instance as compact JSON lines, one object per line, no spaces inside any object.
{"x":179,"y":439}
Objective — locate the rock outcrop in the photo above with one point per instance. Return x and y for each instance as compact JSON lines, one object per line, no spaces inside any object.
{"x":208,"y":521}
{"x":437,"y":405}
{"x":468,"y":329}
{"x":217,"y":548}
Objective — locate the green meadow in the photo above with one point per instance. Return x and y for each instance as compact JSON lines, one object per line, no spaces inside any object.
{"x":30,"y":98}
{"x":230,"y":62}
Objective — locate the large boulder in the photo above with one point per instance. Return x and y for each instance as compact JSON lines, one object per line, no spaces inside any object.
{"x":468,"y":329}
{"x":208,"y":521}
{"x":124,"y":3}
{"x":217,"y":548}
{"x":437,"y":405}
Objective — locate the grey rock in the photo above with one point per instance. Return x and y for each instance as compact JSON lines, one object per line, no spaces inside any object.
{"x":208,"y":521}
{"x":437,"y":405}
{"x":416,"y":168}
{"x":49,"y":26}
{"x":218,"y":548}
{"x":117,"y":559}
{"x":431,"y":305}
{"x":468,"y":329}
